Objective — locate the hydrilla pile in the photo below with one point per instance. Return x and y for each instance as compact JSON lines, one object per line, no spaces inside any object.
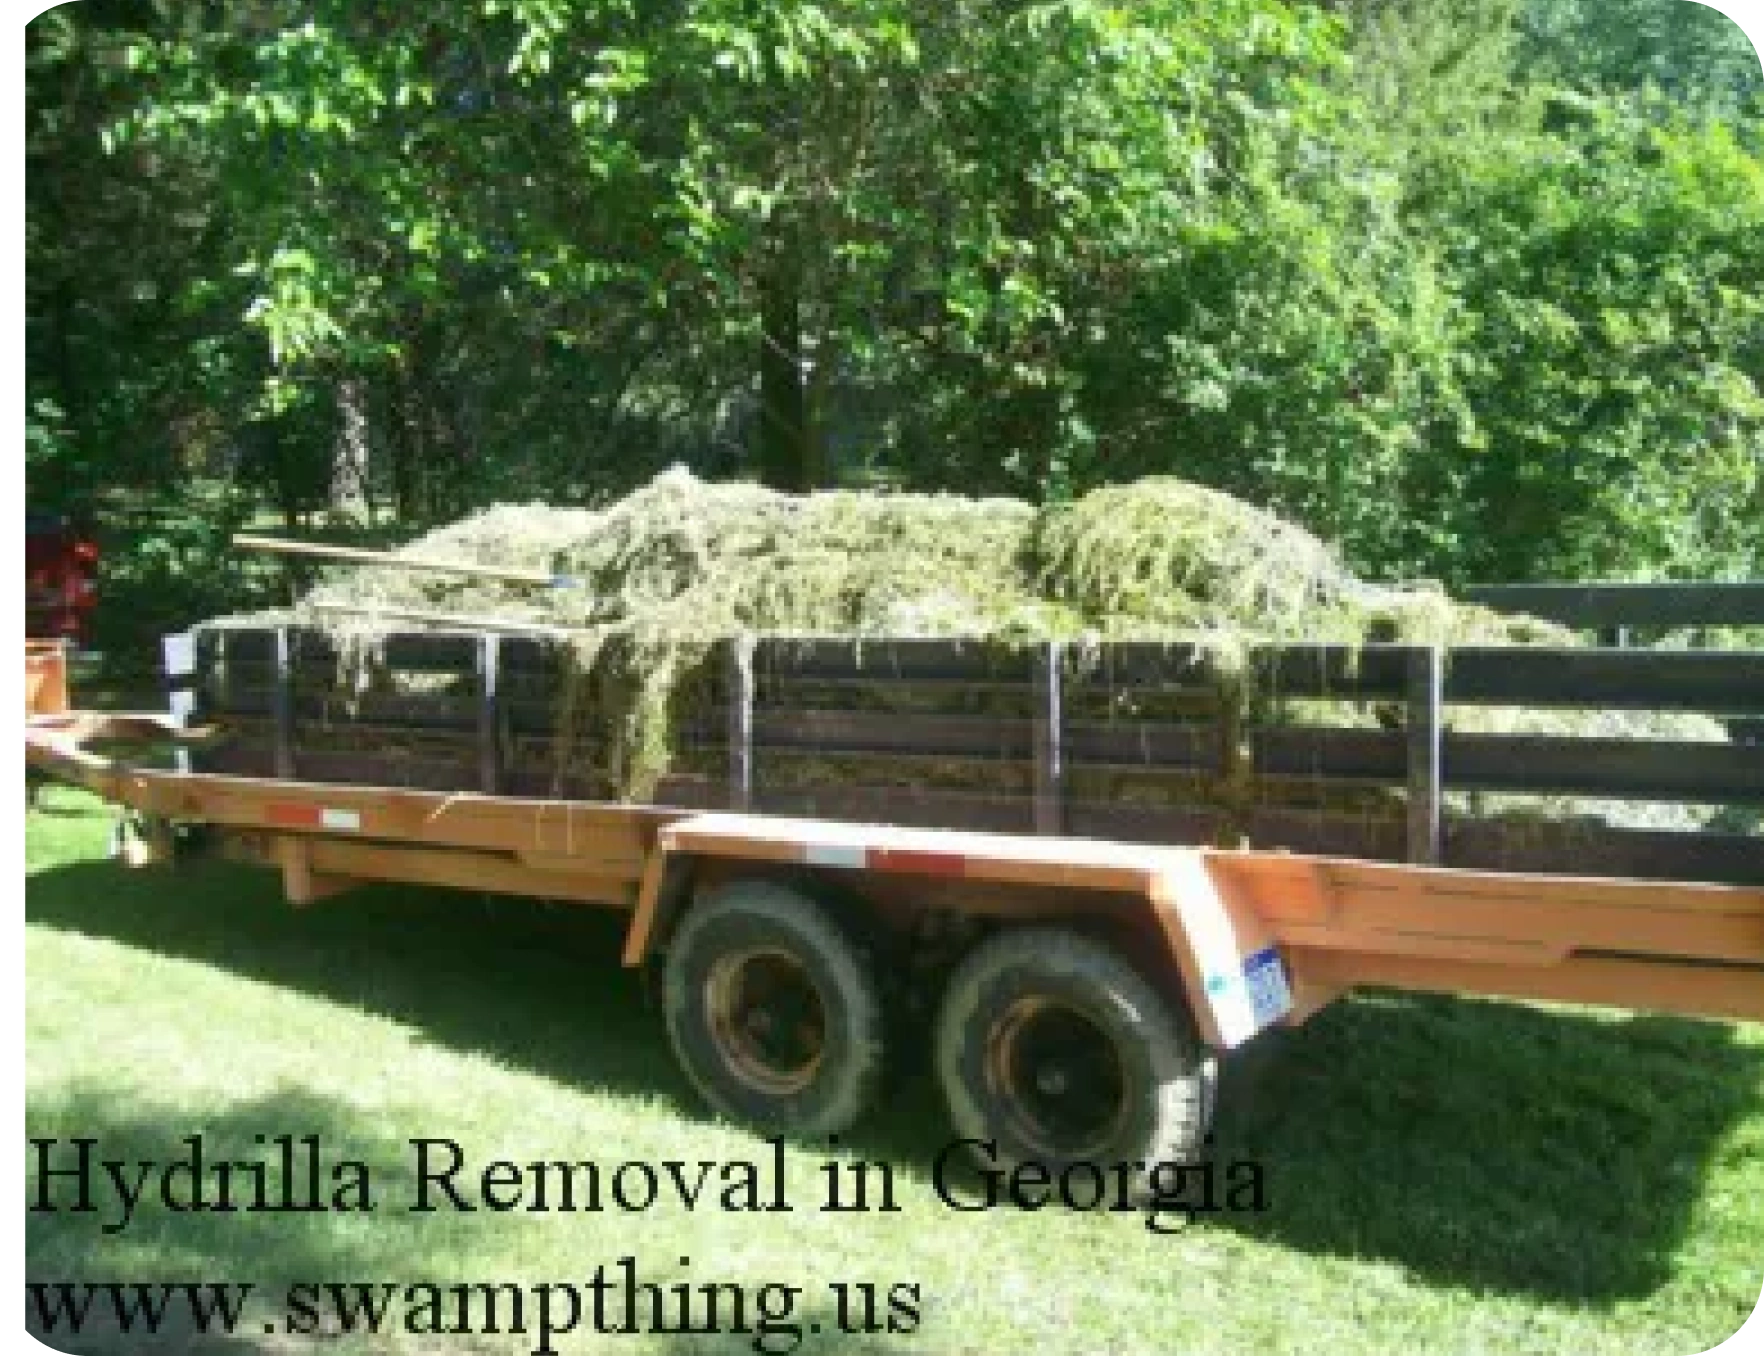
{"x":688,"y":562}
{"x":680,"y":564}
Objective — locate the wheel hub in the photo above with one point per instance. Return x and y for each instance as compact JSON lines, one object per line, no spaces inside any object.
{"x":1058,"y":1075}
{"x":766,"y":1019}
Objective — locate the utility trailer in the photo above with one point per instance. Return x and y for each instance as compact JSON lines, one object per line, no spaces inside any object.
{"x":1094,"y":872}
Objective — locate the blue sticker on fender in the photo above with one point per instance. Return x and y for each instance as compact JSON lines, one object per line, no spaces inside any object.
{"x":1264,"y":976}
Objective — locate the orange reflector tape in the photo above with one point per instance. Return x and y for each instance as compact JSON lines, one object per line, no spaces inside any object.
{"x":918,"y":863}
{"x":299,"y":815}
{"x":884,"y":859}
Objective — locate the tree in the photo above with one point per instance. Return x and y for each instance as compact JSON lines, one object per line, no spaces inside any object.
{"x":1696,"y":55}
{"x":1386,"y":274}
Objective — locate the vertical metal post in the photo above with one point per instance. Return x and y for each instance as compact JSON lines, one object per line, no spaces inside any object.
{"x":284,"y":703}
{"x":739,"y":668}
{"x":1048,"y":745}
{"x":489,"y":724}
{"x":1426,"y":689}
{"x":179,"y":652}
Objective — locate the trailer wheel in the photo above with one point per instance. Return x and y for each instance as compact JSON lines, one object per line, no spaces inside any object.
{"x":1051,"y":1048}
{"x":772,"y":1011}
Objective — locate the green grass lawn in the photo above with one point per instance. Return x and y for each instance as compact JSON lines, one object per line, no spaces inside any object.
{"x":1443,"y":1175}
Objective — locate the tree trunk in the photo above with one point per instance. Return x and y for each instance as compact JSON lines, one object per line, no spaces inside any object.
{"x":349,"y":455}
{"x":787,"y":456}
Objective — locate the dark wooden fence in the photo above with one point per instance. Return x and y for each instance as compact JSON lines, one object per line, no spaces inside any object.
{"x":1332,"y":749}
{"x":1613,"y":610}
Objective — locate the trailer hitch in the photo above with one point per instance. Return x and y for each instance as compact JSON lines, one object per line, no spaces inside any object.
{"x":140,"y":839}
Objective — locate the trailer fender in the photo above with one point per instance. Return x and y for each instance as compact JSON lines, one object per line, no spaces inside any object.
{"x":662,"y":895}
{"x":1219,"y":949}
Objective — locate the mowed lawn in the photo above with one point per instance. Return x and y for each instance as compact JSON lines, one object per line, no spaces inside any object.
{"x":1443,"y":1175}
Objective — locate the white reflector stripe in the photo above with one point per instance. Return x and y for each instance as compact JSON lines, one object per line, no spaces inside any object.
{"x":340,"y":819}
{"x":828,"y":854}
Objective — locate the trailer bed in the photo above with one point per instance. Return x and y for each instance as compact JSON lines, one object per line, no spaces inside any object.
{"x":1694,"y":947}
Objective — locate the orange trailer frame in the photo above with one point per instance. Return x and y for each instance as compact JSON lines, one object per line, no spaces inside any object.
{"x":1244,"y":938}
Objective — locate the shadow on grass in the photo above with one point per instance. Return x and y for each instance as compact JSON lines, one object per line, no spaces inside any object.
{"x":1491,"y":1146}
{"x":1482,"y":1145}
{"x":533,"y":985}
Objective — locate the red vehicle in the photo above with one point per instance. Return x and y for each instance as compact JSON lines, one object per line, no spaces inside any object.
{"x":61,"y":568}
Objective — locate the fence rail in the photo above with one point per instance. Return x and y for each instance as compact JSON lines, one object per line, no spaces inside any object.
{"x":1312,"y":747}
{"x":1610,"y":606}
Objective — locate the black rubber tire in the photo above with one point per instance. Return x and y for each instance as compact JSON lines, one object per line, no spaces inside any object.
{"x":1161,"y":1084}
{"x":740,"y":917}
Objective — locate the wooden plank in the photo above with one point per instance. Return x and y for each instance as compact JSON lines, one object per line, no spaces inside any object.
{"x":530,"y":655}
{"x":1423,"y":728}
{"x":1589,"y":606}
{"x":374,"y":712}
{"x":416,"y":652}
{"x":1327,"y":832}
{"x":1599,"y":850}
{"x":1174,"y":825}
{"x":404,"y":651}
{"x":1126,"y":744}
{"x":1134,"y":663}
{"x":1714,"y":681}
{"x":365,"y":769}
{"x":1326,"y":752}
{"x":1655,"y":770}
{"x":874,"y":660}
{"x":1372,"y":672}
{"x":900,"y":805}
{"x":890,"y":732}
{"x":236,"y":643}
{"x":693,"y":793}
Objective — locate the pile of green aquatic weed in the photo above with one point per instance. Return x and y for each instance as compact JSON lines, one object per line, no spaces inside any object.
{"x":679,"y":565}
{"x":1165,"y":555}
{"x":691,"y":560}
{"x":670,"y":570}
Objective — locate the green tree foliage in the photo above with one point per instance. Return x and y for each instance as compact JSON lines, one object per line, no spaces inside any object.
{"x":1696,"y":54}
{"x":1436,"y":278}
{"x":1614,"y":298}
{"x":130,"y":341}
